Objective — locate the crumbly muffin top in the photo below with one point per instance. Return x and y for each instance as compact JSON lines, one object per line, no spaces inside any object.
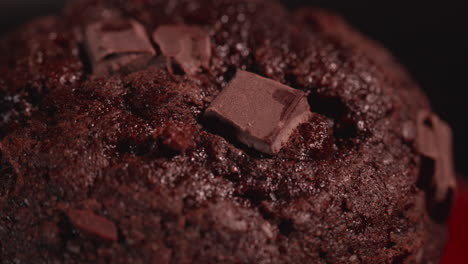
{"x":132,"y":152}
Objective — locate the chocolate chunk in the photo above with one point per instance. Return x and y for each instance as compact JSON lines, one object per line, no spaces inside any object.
{"x":434,"y":142}
{"x":190,"y":46}
{"x":445,"y":175}
{"x":91,"y":224}
{"x":264,"y":113}
{"x":118,"y":45}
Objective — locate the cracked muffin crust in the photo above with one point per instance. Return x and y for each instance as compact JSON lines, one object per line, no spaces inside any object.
{"x":122,"y":167}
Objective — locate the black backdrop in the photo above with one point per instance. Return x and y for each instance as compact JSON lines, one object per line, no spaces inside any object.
{"x":427,"y":37}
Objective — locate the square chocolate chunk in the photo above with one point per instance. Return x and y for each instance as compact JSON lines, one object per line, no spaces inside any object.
{"x":263,"y":112}
{"x":189,"y":46}
{"x":434,"y":142}
{"x":116,"y":45}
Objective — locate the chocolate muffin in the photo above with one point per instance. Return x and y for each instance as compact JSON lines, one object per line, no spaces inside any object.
{"x":214,"y":131}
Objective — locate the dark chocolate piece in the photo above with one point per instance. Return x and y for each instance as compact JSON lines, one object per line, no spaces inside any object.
{"x":434,"y":142}
{"x":189,"y":45}
{"x":263,"y":112}
{"x":118,"y":45}
{"x":91,"y":224}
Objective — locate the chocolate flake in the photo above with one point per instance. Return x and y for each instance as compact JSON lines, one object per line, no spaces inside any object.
{"x":118,"y":45}
{"x":189,"y":46}
{"x":434,"y":142}
{"x":263,"y":112}
{"x":91,"y":224}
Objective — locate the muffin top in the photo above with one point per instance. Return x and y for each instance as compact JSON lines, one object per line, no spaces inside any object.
{"x":108,"y":152}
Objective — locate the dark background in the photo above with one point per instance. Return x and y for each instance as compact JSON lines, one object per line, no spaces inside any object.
{"x":427,"y":37}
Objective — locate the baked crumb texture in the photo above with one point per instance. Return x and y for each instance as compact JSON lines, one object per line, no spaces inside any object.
{"x":107,"y":157}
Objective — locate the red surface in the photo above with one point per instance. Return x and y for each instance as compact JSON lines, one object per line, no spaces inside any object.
{"x":456,"y":251}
